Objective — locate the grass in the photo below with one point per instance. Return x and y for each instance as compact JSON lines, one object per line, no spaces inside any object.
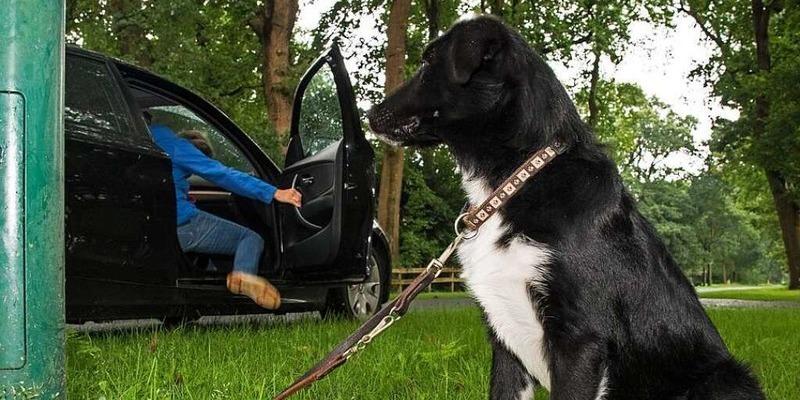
{"x":437,"y":295}
{"x":763,"y":293}
{"x":737,"y":292}
{"x":430,"y":354}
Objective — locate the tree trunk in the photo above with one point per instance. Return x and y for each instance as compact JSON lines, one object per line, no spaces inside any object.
{"x":432,"y":15}
{"x":789,"y":220}
{"x":392,"y":169}
{"x":513,"y":12}
{"x":724,"y":273}
{"x":787,"y":209}
{"x":273,"y":24}
{"x":595,"y":78}
{"x":496,"y":8}
{"x":131,"y":38}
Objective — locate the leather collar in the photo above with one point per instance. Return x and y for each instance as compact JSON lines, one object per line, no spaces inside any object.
{"x":476,"y":216}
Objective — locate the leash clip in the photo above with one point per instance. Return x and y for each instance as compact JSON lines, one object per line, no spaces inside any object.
{"x":466,"y":233}
{"x":362,"y":343}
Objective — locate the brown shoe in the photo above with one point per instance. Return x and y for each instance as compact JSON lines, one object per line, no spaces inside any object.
{"x":256,"y":288}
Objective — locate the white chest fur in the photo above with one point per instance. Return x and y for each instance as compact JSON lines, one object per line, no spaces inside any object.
{"x":500,"y":279}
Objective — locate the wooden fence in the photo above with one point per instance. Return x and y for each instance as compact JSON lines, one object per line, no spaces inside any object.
{"x":402,"y":277}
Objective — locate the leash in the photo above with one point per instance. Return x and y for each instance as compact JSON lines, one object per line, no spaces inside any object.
{"x":393,"y":311}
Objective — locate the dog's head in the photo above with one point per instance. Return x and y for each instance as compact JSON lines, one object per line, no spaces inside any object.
{"x":479,"y":84}
{"x":466,"y":74}
{"x":462,"y":76}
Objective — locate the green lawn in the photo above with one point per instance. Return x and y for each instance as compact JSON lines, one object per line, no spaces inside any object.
{"x":430,"y":354}
{"x":437,"y":295}
{"x":764,"y":293}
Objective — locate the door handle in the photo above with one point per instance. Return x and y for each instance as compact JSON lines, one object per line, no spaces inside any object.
{"x":297,"y":213}
{"x":306,"y":180}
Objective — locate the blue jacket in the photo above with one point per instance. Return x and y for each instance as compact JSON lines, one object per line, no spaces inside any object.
{"x":188,"y":160}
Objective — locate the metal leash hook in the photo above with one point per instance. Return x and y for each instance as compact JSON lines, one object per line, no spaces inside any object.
{"x":362,"y":343}
{"x":463,"y":233}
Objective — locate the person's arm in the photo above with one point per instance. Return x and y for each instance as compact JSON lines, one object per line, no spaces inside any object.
{"x":187,"y":156}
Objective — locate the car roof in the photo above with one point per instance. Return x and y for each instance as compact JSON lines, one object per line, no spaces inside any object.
{"x":75,"y":49}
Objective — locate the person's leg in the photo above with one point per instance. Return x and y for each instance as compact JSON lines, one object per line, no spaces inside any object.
{"x":248,"y":253}
{"x":207,"y":233}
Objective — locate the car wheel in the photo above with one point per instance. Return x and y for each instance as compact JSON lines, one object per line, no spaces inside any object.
{"x":362,"y":300}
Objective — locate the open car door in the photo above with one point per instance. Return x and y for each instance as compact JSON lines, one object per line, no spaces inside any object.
{"x":332,"y":164}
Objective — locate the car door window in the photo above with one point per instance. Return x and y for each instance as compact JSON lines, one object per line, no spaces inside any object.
{"x":182,"y":120}
{"x":93,"y":103}
{"x":320,"y":113}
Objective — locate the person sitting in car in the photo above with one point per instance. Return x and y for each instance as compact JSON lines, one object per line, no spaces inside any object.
{"x":202,"y":232}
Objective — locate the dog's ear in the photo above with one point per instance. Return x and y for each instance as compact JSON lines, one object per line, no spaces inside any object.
{"x":467,"y":53}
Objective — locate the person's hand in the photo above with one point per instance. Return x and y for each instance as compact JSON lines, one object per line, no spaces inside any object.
{"x":289,"y":196}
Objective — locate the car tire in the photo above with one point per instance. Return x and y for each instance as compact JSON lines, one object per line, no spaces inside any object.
{"x":361,"y":301}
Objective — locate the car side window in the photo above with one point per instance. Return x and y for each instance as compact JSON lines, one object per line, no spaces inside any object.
{"x":183,"y":121}
{"x":320,"y":113}
{"x":94,"y":104}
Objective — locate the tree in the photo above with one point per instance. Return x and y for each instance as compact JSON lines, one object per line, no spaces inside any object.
{"x":755,"y":53}
{"x":588,"y":30}
{"x":712,"y":236}
{"x":209,"y":49}
{"x":273,"y":24}
{"x":392,"y":167}
{"x":642,"y":132}
{"x":730,"y":244}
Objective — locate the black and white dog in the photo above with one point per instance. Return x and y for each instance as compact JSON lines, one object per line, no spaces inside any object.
{"x":579,"y":293}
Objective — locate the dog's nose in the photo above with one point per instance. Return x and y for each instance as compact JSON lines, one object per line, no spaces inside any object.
{"x":376,"y":118}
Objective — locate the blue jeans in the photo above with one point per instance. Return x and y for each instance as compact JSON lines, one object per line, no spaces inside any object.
{"x":209,"y":234}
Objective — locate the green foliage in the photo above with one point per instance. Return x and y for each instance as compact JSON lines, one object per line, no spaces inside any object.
{"x":735,"y":77}
{"x":432,"y":198}
{"x":722,"y":218}
{"x":668,"y":206}
{"x":729,"y":242}
{"x":337,"y":24}
{"x":640,"y":131}
{"x":755,"y":80}
{"x":209,"y":49}
{"x":711,"y":235}
{"x":320,"y":113}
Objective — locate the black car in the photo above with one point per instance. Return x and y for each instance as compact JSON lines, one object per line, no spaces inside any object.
{"x":122,"y":254}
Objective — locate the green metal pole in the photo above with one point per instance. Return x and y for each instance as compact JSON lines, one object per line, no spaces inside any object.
{"x":31,"y":199}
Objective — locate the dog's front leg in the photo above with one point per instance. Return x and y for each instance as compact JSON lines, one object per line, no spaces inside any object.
{"x":579,"y":372}
{"x":510,"y":380}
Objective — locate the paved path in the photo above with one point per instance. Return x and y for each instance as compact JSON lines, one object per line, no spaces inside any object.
{"x":706,"y":289}
{"x":749,"y":303}
{"x":134,"y":325}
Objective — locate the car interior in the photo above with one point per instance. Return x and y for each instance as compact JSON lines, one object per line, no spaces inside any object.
{"x":209,"y":197}
{"x":303,"y":244}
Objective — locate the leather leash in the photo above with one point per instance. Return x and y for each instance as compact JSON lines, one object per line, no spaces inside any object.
{"x":398,"y":307}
